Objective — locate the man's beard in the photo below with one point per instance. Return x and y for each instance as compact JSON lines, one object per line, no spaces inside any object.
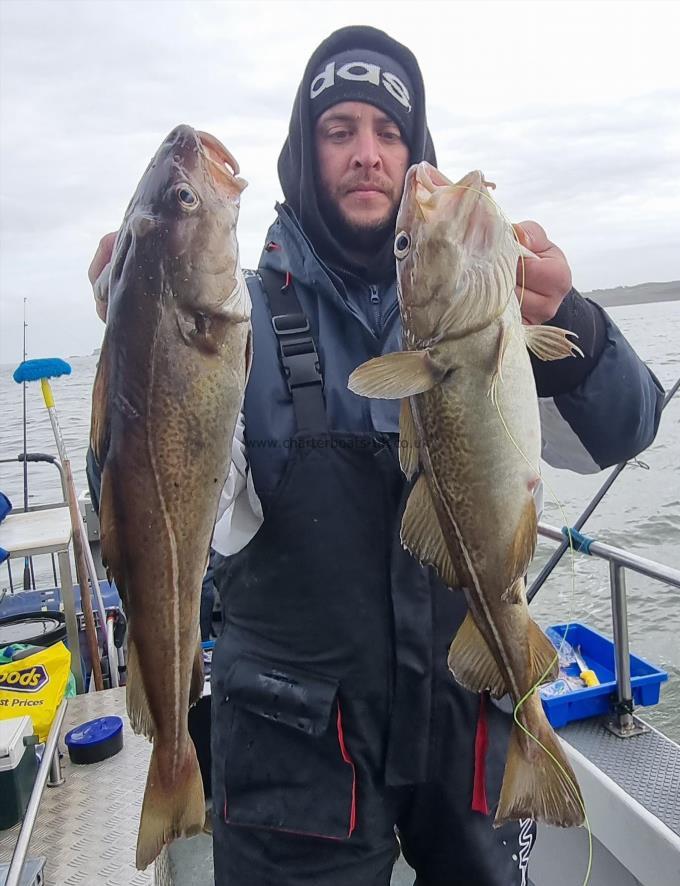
{"x":366,"y":238}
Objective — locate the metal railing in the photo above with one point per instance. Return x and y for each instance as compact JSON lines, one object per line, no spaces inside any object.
{"x":47,"y":767}
{"x":580,"y":521}
{"x":623,"y":724}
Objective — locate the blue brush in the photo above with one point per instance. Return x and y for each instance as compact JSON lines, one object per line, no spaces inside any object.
{"x":36,"y":370}
{"x":32,"y":370}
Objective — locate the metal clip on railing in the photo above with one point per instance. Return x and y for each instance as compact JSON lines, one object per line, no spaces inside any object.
{"x":623,"y":723}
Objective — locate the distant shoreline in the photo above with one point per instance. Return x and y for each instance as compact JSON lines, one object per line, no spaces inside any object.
{"x":643,"y":293}
{"x":619,"y":296}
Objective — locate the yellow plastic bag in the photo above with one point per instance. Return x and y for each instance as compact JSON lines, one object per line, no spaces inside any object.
{"x":35,"y":686}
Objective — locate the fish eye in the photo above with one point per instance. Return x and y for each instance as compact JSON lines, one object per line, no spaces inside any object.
{"x":187,"y":197}
{"x":402,"y":244}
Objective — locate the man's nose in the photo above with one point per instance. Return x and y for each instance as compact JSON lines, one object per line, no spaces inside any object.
{"x":367,"y":151}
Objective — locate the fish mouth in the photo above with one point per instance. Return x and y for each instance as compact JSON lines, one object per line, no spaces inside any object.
{"x":430,"y":185}
{"x":192,"y":149}
{"x":217,"y":152}
{"x":466,"y":204}
{"x":222,"y":165}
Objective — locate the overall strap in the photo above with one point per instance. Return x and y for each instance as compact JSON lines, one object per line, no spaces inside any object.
{"x":297,"y":351}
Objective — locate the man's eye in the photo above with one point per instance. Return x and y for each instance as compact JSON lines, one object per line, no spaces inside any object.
{"x":391,"y":136}
{"x":338,"y":134}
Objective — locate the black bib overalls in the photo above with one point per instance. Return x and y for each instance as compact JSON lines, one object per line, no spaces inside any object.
{"x":334,"y":716}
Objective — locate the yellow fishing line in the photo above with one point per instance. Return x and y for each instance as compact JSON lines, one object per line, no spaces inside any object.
{"x":537,"y":469}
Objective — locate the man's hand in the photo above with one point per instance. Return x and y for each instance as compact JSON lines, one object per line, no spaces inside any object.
{"x":98,"y":273}
{"x":547,"y":278}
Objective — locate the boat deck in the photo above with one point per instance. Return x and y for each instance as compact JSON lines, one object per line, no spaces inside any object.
{"x":87,"y":827}
{"x":655,"y":786}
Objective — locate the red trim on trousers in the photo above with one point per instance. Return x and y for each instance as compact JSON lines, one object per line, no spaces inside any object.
{"x":479,"y":801}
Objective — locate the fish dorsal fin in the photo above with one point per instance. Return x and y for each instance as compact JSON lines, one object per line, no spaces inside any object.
{"x":543,"y":662}
{"x":503,"y":340}
{"x":550,"y":342}
{"x":392,"y":376}
{"x":471,"y":662}
{"x":523,"y":545}
{"x":421,"y":534}
{"x":138,"y":708}
{"x":408,"y":441}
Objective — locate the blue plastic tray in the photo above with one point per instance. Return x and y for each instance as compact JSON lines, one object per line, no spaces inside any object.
{"x":598,"y":653}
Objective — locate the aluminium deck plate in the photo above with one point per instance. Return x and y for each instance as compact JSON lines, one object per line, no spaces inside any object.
{"x":647,"y":767}
{"x":87,"y":828}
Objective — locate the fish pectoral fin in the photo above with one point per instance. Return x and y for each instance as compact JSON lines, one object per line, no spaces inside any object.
{"x":526,"y":253}
{"x":392,"y":376}
{"x":408,"y":441}
{"x":137,"y":701}
{"x":99,"y":422}
{"x":504,"y":337}
{"x":550,"y":342}
{"x":197,"y":678}
{"x":471,"y":661}
{"x":515,"y":593}
{"x":543,"y":659}
{"x":422,"y":535}
{"x":538,"y":782}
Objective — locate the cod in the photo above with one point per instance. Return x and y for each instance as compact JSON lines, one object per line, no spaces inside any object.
{"x":168,"y":389}
{"x":470,"y":433}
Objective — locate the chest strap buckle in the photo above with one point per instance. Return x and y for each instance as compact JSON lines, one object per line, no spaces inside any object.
{"x":290,"y":324}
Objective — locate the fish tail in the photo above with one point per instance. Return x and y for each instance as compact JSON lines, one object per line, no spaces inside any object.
{"x":539,"y":782}
{"x":171,"y":808}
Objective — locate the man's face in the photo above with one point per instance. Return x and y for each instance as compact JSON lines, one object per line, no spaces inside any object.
{"x":362,"y":162}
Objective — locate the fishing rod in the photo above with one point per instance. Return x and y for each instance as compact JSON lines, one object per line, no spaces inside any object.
{"x":557,"y":555}
{"x":27,"y":560}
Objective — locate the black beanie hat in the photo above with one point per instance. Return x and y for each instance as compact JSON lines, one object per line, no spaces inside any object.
{"x":297,"y":161}
{"x":363,"y":75}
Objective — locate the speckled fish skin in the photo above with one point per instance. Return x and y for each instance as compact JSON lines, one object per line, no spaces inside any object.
{"x":470,"y":430}
{"x":169,"y":386}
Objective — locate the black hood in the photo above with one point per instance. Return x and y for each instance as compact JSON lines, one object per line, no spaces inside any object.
{"x":297,"y":158}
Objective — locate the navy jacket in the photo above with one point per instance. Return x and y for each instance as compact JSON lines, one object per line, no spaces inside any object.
{"x":610,"y":416}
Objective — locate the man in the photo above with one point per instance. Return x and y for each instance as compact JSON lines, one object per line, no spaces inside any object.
{"x":335,"y":719}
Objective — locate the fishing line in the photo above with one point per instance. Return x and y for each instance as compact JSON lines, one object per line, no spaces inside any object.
{"x":537,"y":470}
{"x":556,"y":657}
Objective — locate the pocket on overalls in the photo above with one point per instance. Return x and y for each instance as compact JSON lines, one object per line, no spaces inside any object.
{"x":286,"y":764}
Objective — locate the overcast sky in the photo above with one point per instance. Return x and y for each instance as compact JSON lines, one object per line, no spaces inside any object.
{"x":573,"y":109}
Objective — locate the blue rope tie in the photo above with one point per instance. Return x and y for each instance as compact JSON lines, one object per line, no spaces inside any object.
{"x":580,"y":541}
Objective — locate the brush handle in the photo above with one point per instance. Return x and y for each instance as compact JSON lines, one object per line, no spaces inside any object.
{"x":79,"y":541}
{"x":587,"y":674}
{"x":81,"y":572}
